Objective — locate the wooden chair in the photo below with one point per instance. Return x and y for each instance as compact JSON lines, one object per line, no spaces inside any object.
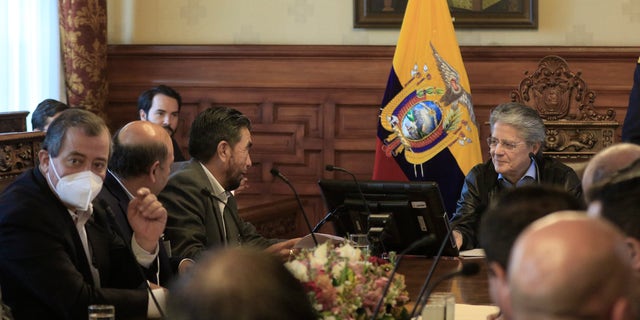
{"x":18,"y":153}
{"x":576,"y":130}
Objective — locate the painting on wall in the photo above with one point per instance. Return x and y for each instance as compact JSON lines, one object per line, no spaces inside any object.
{"x":465,"y":13}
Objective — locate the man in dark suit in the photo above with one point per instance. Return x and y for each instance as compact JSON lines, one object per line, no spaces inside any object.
{"x":202,"y":211}
{"x":141,"y":158}
{"x":57,"y":254}
{"x":631,"y":125}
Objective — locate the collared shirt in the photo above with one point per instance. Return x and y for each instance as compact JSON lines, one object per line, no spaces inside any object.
{"x":80,"y":219}
{"x":529,"y":177}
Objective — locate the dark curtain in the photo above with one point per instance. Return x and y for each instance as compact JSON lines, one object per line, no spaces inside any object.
{"x":83,"y":33}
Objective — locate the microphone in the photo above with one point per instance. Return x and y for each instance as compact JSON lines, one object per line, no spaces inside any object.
{"x":468,"y":269}
{"x":330,"y":167}
{"x":116,"y":227}
{"x":326,"y":218}
{"x":276,"y":173}
{"x":535,"y":163}
{"x":433,"y":266}
{"x":425,"y":241}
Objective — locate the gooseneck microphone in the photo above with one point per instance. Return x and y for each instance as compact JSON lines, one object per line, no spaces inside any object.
{"x":223,"y":233}
{"x":330,"y":167}
{"x":327,"y":217}
{"x":468,"y":269}
{"x":112,"y":220}
{"x":433,"y":266}
{"x":425,"y":241}
{"x":535,"y":163}
{"x":276,"y":173}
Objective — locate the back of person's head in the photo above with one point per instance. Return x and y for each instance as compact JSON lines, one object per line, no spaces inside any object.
{"x":46,"y":109}
{"x":212,"y":126}
{"x":569,"y":266}
{"x":514,"y":211}
{"x":607,"y":162}
{"x":145,"y":100}
{"x":524,"y":119}
{"x":618,"y":199}
{"x":137,"y":146}
{"x":90,"y":124}
{"x":239,"y":283}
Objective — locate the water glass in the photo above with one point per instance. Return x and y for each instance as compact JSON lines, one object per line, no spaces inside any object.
{"x":360,"y":241}
{"x":441,"y":306}
{"x":102,"y":312}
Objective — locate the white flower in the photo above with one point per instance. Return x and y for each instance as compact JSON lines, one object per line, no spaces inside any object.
{"x":350,"y":253}
{"x":337,"y":269}
{"x":298,"y":269}
{"x":319,"y":257}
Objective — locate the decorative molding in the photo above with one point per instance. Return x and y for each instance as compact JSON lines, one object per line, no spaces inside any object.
{"x":18,"y":153}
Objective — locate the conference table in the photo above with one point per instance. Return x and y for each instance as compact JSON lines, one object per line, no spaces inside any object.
{"x":467,"y":290}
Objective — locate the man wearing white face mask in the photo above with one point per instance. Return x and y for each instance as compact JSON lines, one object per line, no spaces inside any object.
{"x":58,"y":255}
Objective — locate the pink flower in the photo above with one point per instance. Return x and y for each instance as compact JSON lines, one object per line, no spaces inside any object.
{"x":344,"y":284}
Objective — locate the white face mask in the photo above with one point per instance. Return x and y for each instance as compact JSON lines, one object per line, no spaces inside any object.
{"x":77,"y":190}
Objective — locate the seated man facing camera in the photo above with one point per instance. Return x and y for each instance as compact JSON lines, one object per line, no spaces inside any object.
{"x":515,"y":146}
{"x":58,"y":255}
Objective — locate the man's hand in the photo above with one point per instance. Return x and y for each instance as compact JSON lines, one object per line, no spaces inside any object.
{"x":147,"y":218}
{"x":283,"y":249}
{"x":457,"y":236}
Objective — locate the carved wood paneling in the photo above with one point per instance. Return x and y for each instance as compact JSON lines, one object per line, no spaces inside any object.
{"x":576,"y":129}
{"x":18,"y":153}
{"x":318,"y":105}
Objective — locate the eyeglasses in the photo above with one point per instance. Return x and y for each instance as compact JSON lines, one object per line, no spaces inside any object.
{"x":509,"y":145}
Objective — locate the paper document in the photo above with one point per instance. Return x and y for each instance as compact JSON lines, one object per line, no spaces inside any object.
{"x":307,"y":241}
{"x":473,"y":253}
{"x":473,"y":312}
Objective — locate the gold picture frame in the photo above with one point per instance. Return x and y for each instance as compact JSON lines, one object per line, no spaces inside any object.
{"x":496,"y":14}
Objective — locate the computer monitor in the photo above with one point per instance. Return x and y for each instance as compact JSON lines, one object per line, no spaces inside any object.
{"x":408,"y":211}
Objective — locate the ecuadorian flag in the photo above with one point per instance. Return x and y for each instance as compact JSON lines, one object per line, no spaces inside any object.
{"x":427,"y":129}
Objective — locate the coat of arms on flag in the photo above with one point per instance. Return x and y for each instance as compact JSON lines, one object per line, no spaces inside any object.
{"x":427,"y":129}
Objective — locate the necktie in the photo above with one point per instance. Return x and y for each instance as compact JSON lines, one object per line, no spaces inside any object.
{"x":233,"y":234}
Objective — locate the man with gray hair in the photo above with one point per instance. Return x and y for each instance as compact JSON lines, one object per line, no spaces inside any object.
{"x":515,"y":147}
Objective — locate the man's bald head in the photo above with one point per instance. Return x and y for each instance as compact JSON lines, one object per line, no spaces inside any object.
{"x":142,"y":150}
{"x":567,"y":265}
{"x":607,"y":162}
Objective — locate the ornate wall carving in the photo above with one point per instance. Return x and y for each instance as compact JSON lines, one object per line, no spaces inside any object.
{"x":576,"y":129}
{"x":18,"y":153}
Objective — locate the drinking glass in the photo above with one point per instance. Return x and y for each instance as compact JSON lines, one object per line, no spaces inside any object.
{"x":449,"y":303}
{"x":360,"y":241}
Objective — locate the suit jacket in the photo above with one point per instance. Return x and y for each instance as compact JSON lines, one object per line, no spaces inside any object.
{"x":44,"y":271}
{"x":115,"y":197}
{"x":194,"y":220}
{"x":631,"y":125}
{"x":481,"y":187}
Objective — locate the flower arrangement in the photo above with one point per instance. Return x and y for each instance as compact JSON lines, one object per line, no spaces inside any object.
{"x":343,"y":283}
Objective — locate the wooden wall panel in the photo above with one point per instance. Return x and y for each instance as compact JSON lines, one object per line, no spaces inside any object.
{"x":318,"y":105}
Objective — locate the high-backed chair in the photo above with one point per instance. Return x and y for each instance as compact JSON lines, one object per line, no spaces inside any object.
{"x":18,"y":153}
{"x":576,"y":130}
